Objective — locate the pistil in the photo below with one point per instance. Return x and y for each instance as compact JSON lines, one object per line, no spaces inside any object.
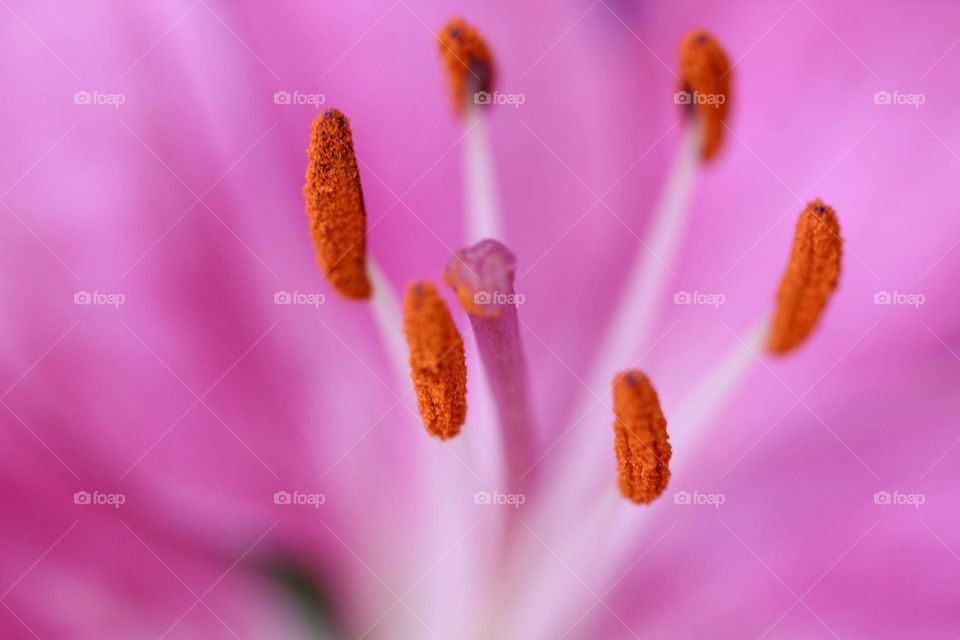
{"x":482,"y":277}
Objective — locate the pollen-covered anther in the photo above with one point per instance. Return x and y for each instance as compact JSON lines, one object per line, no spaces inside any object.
{"x":811,"y":276}
{"x":640,"y":438}
{"x":468,"y":63}
{"x":338,"y":221}
{"x":705,"y":85}
{"x":437,"y":362}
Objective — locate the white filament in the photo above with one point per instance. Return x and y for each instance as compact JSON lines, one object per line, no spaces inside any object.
{"x":387,"y":313}
{"x":709,"y":397}
{"x":483,"y":220}
{"x":482,"y":204}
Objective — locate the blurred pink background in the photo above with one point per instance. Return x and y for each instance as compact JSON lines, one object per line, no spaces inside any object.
{"x":147,"y":164}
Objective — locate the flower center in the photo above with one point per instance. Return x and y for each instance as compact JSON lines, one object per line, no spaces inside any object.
{"x":482,"y":276}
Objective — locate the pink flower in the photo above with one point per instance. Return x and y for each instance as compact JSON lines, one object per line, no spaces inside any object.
{"x":203,"y":440}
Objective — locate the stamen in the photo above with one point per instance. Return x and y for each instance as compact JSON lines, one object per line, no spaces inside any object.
{"x":621,"y":528}
{"x":467,"y":60}
{"x":470,"y":67}
{"x":641,"y":442}
{"x":704,"y":69}
{"x":583,"y":468}
{"x":335,"y":205}
{"x":482,"y":277}
{"x":705,"y":77}
{"x":811,"y":277}
{"x":437,"y":361}
{"x":338,"y":226}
